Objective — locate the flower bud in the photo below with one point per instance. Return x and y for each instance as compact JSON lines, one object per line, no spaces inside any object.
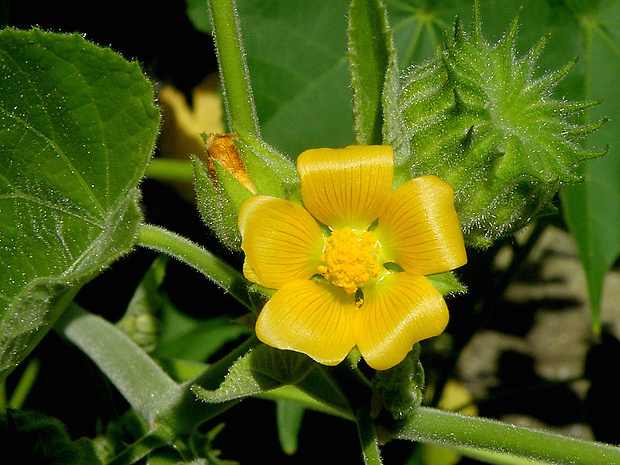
{"x":400,"y":389}
{"x":222,"y":184}
{"x":222,"y":150}
{"x":238,"y":167}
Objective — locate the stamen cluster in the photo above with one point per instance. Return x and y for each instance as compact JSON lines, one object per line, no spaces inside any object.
{"x":350,"y":259}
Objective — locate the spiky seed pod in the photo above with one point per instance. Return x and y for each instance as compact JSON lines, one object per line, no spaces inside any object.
{"x":478,"y":118}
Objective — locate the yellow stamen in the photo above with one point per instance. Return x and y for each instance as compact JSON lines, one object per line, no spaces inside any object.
{"x":350,"y":259}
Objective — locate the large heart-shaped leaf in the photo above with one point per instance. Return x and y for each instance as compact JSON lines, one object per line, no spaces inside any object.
{"x":77,"y":127}
{"x":297,"y":57}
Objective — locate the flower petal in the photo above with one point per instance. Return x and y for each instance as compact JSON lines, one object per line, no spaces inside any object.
{"x":281,"y":241}
{"x":420,"y":230}
{"x":346,"y":187}
{"x":311,"y":317}
{"x":398,"y":311}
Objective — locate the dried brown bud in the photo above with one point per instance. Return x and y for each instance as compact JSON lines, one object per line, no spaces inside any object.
{"x":222,"y":148}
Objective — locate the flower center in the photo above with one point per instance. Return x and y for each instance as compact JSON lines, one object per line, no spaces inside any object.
{"x":350,"y":259}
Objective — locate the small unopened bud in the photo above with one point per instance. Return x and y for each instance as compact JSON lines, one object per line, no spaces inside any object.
{"x":237,"y":167}
{"x":222,"y":149}
{"x":400,"y":389}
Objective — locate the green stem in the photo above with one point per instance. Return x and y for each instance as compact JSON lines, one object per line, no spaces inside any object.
{"x":19,"y":395}
{"x":134,"y":373}
{"x":454,"y":430}
{"x":159,"y":437}
{"x":222,"y":274}
{"x":233,"y":69}
{"x":165,"y":169}
{"x":359,"y":393}
{"x":368,"y":439}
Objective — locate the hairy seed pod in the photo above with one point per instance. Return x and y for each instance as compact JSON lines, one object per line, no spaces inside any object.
{"x":478,"y":118}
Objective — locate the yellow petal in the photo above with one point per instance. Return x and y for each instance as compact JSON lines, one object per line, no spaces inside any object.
{"x":420,"y":230}
{"x":398,"y":311}
{"x":311,"y":317}
{"x":346,"y":187}
{"x":248,"y":272}
{"x":281,"y":241}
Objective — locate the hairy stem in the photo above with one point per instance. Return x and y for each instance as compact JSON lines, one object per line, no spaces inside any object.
{"x":358,"y":391}
{"x":457,"y":431}
{"x":233,"y":69}
{"x":165,"y":169}
{"x":368,"y":438}
{"x":134,"y":373}
{"x":181,"y":248}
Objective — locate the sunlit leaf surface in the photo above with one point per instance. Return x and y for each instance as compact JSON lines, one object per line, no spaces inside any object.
{"x":77,"y":126}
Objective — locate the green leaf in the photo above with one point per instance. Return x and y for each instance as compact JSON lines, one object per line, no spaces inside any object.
{"x":186,"y":338}
{"x":314,"y":386}
{"x":592,"y":208}
{"x":419,"y":25}
{"x":298,"y":67}
{"x":296,"y":53}
{"x":319,"y":386}
{"x":30,"y":437}
{"x":261,"y":369}
{"x":198,"y":13}
{"x":583,"y":6}
{"x":447,"y":283}
{"x":371,"y":53}
{"x":77,"y":126}
{"x":141,"y":381}
{"x":288,"y":418}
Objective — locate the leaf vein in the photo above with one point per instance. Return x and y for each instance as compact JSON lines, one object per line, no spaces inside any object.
{"x":63,"y":156}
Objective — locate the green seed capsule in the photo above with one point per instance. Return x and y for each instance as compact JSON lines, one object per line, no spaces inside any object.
{"x":478,"y":118}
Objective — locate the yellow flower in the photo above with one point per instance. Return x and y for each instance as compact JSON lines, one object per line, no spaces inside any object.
{"x":350,"y":267}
